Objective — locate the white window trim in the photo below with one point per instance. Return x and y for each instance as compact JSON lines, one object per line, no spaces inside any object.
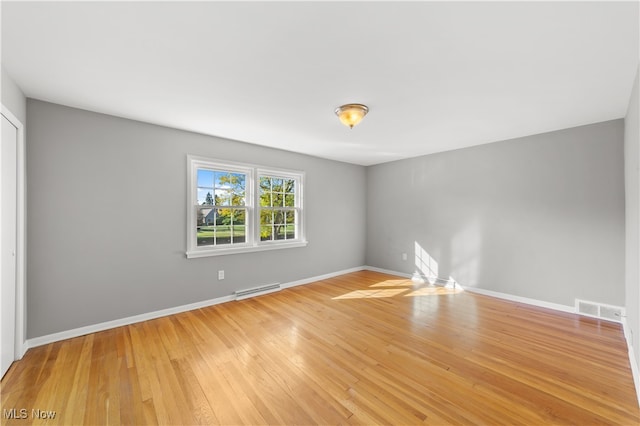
{"x":253,"y":243}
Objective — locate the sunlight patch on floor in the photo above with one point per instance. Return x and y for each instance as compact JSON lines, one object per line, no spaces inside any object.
{"x":434,"y":291}
{"x":371,"y":294}
{"x":393,"y":283}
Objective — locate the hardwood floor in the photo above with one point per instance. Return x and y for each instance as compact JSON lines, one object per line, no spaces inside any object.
{"x":362,"y":348}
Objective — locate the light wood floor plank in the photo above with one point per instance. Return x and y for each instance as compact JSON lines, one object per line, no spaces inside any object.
{"x":362,"y":348}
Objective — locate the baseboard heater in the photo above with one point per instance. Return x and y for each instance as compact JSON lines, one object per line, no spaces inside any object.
{"x":257,"y":291}
{"x":600,"y":310}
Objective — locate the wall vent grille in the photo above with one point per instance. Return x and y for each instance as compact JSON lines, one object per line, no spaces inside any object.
{"x":600,"y":310}
{"x":257,"y":291}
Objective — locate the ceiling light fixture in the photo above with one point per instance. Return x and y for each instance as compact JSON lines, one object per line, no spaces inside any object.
{"x":351,"y":114}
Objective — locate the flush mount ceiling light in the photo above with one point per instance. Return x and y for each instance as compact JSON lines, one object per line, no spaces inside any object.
{"x":351,"y":114}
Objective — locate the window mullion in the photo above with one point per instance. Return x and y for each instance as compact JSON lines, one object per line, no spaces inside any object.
{"x":255,"y":187}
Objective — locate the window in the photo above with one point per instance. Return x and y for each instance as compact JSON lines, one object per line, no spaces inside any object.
{"x":237,"y":208}
{"x":278,"y":209}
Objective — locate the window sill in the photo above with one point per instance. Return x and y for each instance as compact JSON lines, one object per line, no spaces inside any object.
{"x":194,"y":254}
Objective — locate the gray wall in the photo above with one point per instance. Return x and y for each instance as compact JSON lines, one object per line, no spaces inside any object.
{"x":13,"y":98}
{"x":539,"y":217}
{"x":632,"y":215}
{"x":107,"y":219}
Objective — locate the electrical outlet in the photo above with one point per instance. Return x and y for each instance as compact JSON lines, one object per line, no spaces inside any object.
{"x":221,"y":274}
{"x":404,"y":256}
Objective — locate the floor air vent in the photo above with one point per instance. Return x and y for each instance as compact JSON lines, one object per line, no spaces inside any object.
{"x":599,"y":310}
{"x":256,"y":291}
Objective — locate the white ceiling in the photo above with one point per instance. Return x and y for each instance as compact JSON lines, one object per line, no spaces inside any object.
{"x":436,"y":76}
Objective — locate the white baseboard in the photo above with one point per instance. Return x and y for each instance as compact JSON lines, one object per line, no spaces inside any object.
{"x":322,"y":277}
{"x":387,"y":271}
{"x":528,"y":301}
{"x":635,"y":370}
{"x":520,"y":299}
{"x":81,"y":331}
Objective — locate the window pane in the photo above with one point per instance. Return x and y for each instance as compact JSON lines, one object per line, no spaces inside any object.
{"x":291,"y":217}
{"x":205,"y":196}
{"x":276,"y":184}
{"x":291,"y":232}
{"x":290,"y":186}
{"x":237,"y":181}
{"x":278,"y":217}
{"x":205,"y":235}
{"x":222,"y":197}
{"x":236,"y":185}
{"x":239,"y":234}
{"x":219,"y":178}
{"x":266,"y":217}
{"x":279,"y":232}
{"x":239,"y":216}
{"x":265,"y":199}
{"x":205,"y":178}
{"x":224,"y":216}
{"x":204,"y":228}
{"x":278,"y":200}
{"x":265,"y":184}
{"x":223,"y":234}
{"x":205,"y":216}
{"x":289,"y":200}
{"x":237,"y":199}
{"x":266,"y":233}
{"x":230,"y":189}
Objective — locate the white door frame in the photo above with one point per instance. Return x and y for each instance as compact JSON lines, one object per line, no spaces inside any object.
{"x":21,"y":249}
